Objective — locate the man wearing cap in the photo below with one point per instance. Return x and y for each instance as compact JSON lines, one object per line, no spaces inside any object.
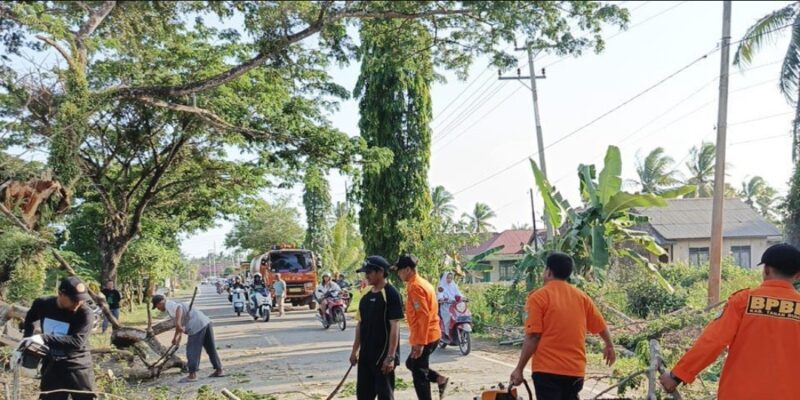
{"x":66,"y":323}
{"x":376,"y":348}
{"x":200,"y":331}
{"x":423,"y":324}
{"x":761,"y":329}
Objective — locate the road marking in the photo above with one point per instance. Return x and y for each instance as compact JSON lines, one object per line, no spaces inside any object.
{"x":493,"y":361}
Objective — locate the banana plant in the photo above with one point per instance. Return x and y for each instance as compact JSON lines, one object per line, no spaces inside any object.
{"x":602,"y":228}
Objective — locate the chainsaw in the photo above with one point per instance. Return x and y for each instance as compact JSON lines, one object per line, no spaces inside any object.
{"x":502,"y":392}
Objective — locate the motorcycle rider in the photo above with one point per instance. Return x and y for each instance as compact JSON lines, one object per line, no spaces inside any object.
{"x":328,"y":286}
{"x":446,"y":292}
{"x":237,"y":284}
{"x":258,"y":286}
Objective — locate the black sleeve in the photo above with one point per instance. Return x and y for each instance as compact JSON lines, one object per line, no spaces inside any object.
{"x":119,"y":295}
{"x":31,"y":317}
{"x":394,"y":305}
{"x":78,"y":333}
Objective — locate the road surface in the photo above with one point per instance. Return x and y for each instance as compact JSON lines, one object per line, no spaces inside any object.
{"x":294,"y":358}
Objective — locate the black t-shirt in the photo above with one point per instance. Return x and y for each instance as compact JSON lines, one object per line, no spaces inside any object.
{"x":375,"y":313}
{"x":112,"y":298}
{"x":66,"y":333}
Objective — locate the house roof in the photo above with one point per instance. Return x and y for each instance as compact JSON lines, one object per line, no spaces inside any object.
{"x":691,"y":219}
{"x":512,"y":241}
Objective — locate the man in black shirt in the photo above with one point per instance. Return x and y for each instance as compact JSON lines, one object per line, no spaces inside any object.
{"x":66,"y":323}
{"x":376,"y":348}
{"x":113,"y":298}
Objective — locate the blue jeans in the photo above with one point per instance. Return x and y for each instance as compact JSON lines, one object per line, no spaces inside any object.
{"x":115,"y":313}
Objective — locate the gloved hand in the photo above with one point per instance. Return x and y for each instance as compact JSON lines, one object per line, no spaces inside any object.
{"x":30,"y":339}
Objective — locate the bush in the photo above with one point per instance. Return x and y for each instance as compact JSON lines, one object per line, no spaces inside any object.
{"x":494,"y":305}
{"x":646,"y":297}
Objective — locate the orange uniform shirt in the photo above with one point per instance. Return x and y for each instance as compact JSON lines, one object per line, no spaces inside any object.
{"x":562,"y":314}
{"x":422,"y":312}
{"x":761,"y":329}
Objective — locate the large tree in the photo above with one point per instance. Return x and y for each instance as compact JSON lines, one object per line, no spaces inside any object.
{"x":478,"y":220}
{"x":345,"y":250}
{"x":263,"y":225}
{"x":317,"y":202}
{"x":757,"y":193}
{"x":442,"y":203}
{"x":395,"y":107}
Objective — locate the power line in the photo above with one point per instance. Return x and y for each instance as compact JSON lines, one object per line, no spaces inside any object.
{"x":595,"y":120}
{"x":480,"y":119}
{"x":783,"y":135}
{"x":476,"y":105}
{"x":441,"y":120}
{"x":648,"y":19}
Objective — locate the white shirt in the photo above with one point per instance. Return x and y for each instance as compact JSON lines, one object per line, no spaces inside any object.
{"x":197,"y":320}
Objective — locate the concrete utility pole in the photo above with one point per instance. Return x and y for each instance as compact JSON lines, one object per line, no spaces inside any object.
{"x":533,"y":215}
{"x":715,"y":258}
{"x":535,"y":96}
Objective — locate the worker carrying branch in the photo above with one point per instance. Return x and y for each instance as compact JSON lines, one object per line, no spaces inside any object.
{"x":761,"y":329}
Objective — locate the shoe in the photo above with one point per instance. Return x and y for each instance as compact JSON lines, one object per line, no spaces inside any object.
{"x":186,"y":379}
{"x":443,"y":387}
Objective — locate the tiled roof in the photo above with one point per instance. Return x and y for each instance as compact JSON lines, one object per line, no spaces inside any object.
{"x":691,"y":219}
{"x":513,"y":241}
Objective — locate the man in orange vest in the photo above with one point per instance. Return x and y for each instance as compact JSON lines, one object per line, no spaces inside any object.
{"x":761,"y":329}
{"x":559,"y":315}
{"x":422,"y":314}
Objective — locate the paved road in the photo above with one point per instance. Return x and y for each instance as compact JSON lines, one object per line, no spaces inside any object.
{"x":294,"y":358}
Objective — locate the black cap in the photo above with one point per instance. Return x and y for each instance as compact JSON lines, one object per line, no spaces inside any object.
{"x":374,"y":263}
{"x":74,"y":287}
{"x":157,"y":299}
{"x":405,"y":261}
{"x":783,"y":257}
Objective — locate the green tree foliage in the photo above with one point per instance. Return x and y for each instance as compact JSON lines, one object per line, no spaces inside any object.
{"x":394,"y":91}
{"x":435,"y":243}
{"x":757,"y":193}
{"x":478,"y":220}
{"x":792,"y":210}
{"x":265,"y":224}
{"x":317,"y":202}
{"x":149,"y":259}
{"x":766,"y":31}
{"x":656,"y":172}
{"x":600,"y":231}
{"x":701,"y":169}
{"x":345,"y":252}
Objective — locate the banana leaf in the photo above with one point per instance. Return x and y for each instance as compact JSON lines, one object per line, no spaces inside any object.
{"x":474,"y":263}
{"x":678,"y":192}
{"x":599,"y":247}
{"x":650,"y":267}
{"x":610,"y":182}
{"x":553,"y":208}
{"x":623,"y":201}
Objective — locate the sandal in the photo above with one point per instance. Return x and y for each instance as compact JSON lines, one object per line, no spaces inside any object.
{"x":217,"y":375}
{"x":443,"y":387}
{"x":186,"y":379}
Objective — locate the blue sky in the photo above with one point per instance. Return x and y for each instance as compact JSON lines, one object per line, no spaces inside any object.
{"x":489,"y":126}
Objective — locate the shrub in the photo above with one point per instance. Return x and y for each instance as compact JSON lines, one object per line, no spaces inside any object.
{"x":646,"y":298}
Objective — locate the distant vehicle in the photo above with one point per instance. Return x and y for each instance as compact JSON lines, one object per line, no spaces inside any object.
{"x":298,"y":268}
{"x":204,"y":282}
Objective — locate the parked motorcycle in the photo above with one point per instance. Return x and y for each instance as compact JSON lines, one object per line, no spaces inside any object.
{"x":239,"y":299}
{"x":334,"y":314}
{"x":260,"y":306}
{"x":459,"y":327}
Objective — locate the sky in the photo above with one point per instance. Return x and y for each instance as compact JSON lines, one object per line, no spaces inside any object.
{"x":483,"y":128}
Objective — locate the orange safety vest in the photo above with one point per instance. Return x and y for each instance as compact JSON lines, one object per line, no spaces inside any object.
{"x":761,"y":329}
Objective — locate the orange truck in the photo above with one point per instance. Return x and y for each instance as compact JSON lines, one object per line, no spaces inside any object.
{"x":298,"y":268}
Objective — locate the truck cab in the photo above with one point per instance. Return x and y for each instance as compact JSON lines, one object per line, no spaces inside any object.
{"x":298,"y":268}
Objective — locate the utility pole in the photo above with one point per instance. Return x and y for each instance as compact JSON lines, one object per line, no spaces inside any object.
{"x":533,"y":215}
{"x":537,"y":120}
{"x":214,"y":260}
{"x":715,"y":258}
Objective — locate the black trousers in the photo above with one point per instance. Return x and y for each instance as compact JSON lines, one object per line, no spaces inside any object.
{"x":421,"y":372}
{"x":202,"y":340}
{"x":56,"y":376}
{"x":371,"y":382}
{"x":556,"y":387}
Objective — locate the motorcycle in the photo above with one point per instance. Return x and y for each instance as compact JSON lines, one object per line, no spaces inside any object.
{"x":459,"y":327}
{"x":260,"y":306}
{"x":220,"y":288}
{"x":335,"y":311}
{"x":239,"y":300}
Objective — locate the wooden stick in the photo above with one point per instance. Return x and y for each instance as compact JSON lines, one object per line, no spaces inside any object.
{"x":227,"y":393}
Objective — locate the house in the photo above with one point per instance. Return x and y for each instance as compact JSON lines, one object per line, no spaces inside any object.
{"x":502,"y":262}
{"x":683,"y":228}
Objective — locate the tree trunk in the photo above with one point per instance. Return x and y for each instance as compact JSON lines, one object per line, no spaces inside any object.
{"x":796,"y":129}
{"x":140,"y":291}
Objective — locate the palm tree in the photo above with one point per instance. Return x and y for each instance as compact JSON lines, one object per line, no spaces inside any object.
{"x":442,"y":203}
{"x":479,"y":220}
{"x":761,"y":196}
{"x":656,"y":172}
{"x":701,"y":169}
{"x":766,"y":30}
